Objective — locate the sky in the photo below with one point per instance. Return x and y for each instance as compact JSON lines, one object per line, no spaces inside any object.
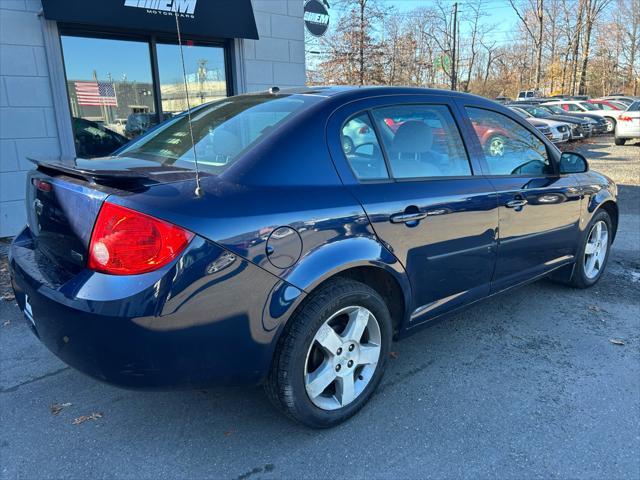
{"x":131,"y":58}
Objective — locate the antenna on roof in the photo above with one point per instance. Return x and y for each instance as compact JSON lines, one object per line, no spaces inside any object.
{"x":199,"y":192}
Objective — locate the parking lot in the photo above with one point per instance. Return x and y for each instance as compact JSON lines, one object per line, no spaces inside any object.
{"x":543,"y":382}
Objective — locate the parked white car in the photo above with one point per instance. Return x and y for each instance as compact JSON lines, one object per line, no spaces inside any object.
{"x":560,"y":132}
{"x":581,"y":106}
{"x":525,"y":95}
{"x":628,"y":124}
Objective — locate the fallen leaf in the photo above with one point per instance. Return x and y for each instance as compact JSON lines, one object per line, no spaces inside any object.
{"x":228,"y":433}
{"x":8,"y":297}
{"x":616,"y":341}
{"x":56,"y":408}
{"x":7,"y":323}
{"x":84,"y":418}
{"x":594,"y":308}
{"x":393,"y":355}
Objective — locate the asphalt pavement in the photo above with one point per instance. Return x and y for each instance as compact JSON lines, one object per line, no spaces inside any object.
{"x":542,"y":382}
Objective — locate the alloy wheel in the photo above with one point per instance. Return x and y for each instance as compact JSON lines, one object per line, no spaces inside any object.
{"x":496,"y":147}
{"x":595,"y":251}
{"x":342,"y":358}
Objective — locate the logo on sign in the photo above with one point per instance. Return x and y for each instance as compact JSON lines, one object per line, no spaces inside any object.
{"x":185,"y":8}
{"x":316,"y":17}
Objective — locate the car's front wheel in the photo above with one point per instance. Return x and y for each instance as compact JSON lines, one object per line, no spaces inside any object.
{"x":332,"y":355}
{"x":619,"y":141}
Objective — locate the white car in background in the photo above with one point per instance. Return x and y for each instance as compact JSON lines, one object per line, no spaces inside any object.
{"x":628,"y":124}
{"x":560,"y":132}
{"x":573,"y":106}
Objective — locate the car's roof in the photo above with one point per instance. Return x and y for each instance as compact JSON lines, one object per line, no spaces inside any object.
{"x":366,"y":90}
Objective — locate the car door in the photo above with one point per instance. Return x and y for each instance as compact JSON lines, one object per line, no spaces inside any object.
{"x":416,"y":181}
{"x":539,"y":209}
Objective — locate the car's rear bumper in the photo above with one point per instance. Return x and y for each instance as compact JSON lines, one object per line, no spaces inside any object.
{"x":628,"y":131}
{"x":208,"y":318}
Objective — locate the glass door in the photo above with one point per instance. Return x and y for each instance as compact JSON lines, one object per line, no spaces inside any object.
{"x":206,"y":76}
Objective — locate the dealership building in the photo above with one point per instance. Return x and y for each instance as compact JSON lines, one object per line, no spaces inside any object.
{"x":81,"y":78}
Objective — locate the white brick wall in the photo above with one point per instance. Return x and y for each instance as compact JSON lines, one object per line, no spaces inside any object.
{"x":27,"y":125}
{"x":277,"y":59}
{"x":27,"y":119}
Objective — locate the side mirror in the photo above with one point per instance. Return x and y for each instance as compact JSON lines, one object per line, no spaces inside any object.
{"x":571,"y":162}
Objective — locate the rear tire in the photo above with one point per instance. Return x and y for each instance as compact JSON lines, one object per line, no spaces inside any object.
{"x":593,"y":252}
{"x":620,"y":141}
{"x":352,"y":321}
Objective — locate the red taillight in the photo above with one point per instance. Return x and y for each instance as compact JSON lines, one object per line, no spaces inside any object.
{"x":42,"y":185}
{"x":126,"y":242}
{"x":624,"y":118}
{"x":363,"y":130}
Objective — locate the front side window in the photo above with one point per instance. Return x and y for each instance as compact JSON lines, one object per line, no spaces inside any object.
{"x":510,"y":149}
{"x":360,"y":146}
{"x":110,"y":92}
{"x":422,"y":141}
{"x":222,"y":131}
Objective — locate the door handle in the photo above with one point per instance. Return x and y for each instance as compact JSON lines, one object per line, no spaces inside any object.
{"x":407,"y":217}
{"x":518,"y":203}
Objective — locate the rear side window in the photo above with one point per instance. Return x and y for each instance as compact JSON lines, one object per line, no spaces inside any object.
{"x":360,"y":146}
{"x":510,"y":149}
{"x":421,"y":141}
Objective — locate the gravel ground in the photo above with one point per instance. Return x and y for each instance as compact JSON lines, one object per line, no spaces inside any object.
{"x":541,"y":383}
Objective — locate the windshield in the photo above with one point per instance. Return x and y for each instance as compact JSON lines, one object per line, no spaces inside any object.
{"x":554,"y":109}
{"x":523,"y":113}
{"x":222,"y":131}
{"x":588,"y":106}
{"x":538,"y":112}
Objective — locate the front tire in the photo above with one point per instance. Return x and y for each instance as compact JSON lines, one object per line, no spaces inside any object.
{"x":620,"y":141}
{"x":332,"y":355}
{"x":593,"y":253}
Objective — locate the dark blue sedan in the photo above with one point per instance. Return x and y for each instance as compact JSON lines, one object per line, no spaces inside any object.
{"x":327,"y":223}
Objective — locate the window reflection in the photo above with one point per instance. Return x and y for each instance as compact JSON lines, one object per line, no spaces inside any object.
{"x":110,"y":92}
{"x":206,"y":76}
{"x":510,"y":149}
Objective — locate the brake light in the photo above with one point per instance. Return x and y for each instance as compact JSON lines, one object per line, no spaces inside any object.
{"x":363,"y":130}
{"x":42,"y":185}
{"x":624,"y":118}
{"x":126,"y":242}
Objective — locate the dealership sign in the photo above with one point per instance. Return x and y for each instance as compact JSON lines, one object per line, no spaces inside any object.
{"x":199,"y":18}
{"x":165,"y":7}
{"x":316,"y":17}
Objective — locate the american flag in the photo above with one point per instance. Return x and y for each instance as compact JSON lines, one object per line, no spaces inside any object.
{"x":96,"y":94}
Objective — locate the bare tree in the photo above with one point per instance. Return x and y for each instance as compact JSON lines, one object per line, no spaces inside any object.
{"x":535,"y":32}
{"x":593,"y":8}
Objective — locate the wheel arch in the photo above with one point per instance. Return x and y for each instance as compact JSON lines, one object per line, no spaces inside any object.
{"x":611,"y":208}
{"x":360,"y":258}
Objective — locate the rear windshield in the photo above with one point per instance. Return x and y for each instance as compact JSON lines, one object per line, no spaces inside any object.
{"x":634,"y":107}
{"x":222,"y":131}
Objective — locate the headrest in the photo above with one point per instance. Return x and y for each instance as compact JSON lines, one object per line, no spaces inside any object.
{"x":413,"y":137}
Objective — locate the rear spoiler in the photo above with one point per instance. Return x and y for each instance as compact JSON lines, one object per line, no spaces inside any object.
{"x":90,"y":175}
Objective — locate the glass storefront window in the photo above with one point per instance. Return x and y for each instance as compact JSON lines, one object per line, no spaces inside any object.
{"x":206,"y":76}
{"x":111,"y":93}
